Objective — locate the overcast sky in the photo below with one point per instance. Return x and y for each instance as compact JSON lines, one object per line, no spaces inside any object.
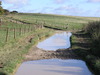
{"x":63,"y":7}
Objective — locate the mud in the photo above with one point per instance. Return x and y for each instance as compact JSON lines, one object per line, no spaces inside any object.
{"x":37,"y":54}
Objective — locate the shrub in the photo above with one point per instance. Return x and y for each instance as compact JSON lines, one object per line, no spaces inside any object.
{"x":93,"y":29}
{"x":1,"y":9}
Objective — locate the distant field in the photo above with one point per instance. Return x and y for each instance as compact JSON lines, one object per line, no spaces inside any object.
{"x":56,"y":21}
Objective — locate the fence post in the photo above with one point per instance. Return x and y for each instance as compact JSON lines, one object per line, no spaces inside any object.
{"x":20,"y":31}
{"x":0,"y":22}
{"x":29,"y":29}
{"x":36,"y":21}
{"x":32,"y":28}
{"x":24,"y":30}
{"x":7,"y":34}
{"x":44,"y":23}
{"x":14,"y":33}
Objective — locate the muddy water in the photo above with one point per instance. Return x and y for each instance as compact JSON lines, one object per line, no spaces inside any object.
{"x":54,"y":66}
{"x":57,"y":41}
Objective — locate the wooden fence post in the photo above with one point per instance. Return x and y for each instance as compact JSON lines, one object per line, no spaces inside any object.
{"x":0,"y":22}
{"x":36,"y":21}
{"x":20,"y":31}
{"x":44,"y":23}
{"x":34,"y":27}
{"x":7,"y":34}
{"x":24,"y":30}
{"x":14,"y":33}
{"x":29,"y":29}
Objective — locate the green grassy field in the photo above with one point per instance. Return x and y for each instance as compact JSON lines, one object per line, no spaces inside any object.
{"x":52,"y":21}
{"x":56,"y":21}
{"x":16,"y":28}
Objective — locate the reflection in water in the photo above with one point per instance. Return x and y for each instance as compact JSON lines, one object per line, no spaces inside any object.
{"x":57,"y":41}
{"x":54,"y":67}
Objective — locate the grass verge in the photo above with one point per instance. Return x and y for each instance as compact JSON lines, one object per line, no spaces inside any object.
{"x":13,"y":52}
{"x":81,"y":44}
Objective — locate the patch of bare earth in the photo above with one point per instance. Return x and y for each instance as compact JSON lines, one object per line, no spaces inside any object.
{"x":37,"y":54}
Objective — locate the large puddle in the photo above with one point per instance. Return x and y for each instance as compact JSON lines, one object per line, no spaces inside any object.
{"x":54,"y":66}
{"x":57,"y":41}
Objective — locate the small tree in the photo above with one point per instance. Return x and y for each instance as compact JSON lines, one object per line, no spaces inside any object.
{"x":1,"y":9}
{"x":6,"y":12}
{"x":0,"y":3}
{"x":14,"y":12}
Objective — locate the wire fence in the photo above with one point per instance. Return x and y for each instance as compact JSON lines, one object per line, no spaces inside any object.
{"x":10,"y":33}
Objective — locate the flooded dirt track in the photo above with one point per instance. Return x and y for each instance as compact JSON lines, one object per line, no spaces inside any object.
{"x":53,"y":57}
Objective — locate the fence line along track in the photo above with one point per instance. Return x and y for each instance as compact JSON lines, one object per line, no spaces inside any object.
{"x":13,"y":32}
